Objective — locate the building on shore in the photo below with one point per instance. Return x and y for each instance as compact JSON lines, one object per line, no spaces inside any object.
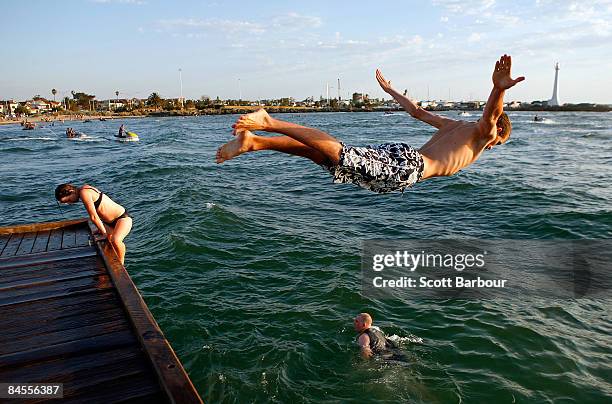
{"x":8,"y":107}
{"x":112,"y":105}
{"x":38,"y":105}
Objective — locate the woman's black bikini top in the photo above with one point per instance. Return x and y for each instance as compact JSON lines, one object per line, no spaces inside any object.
{"x":99,"y":200}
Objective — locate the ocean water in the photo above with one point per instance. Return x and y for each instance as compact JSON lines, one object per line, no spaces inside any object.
{"x":252,"y":267}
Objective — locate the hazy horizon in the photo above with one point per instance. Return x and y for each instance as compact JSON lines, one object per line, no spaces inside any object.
{"x":283,"y":49}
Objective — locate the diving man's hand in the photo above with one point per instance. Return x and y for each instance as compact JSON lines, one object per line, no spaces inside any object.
{"x":384,"y":84}
{"x":501,"y":75}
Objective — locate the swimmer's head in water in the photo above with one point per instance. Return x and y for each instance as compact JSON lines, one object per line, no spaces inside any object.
{"x":362,"y":321}
{"x":66,"y":193}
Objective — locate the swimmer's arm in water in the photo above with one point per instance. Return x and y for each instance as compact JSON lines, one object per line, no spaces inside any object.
{"x":410,"y":106}
{"x":91,"y":210}
{"x":502,"y":81}
{"x":364,"y":344}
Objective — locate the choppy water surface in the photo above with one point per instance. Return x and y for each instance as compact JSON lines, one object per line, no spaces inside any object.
{"x":252,"y":268}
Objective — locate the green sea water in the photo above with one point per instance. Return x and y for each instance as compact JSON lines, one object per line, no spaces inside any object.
{"x":252,"y":268}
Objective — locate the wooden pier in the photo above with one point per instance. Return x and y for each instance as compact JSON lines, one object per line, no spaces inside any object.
{"x":69,"y":313}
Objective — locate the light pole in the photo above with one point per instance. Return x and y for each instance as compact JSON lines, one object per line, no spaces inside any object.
{"x":239,"y":91}
{"x":181,"y":84}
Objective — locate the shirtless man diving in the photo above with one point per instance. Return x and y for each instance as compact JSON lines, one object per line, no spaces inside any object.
{"x":392,"y":166}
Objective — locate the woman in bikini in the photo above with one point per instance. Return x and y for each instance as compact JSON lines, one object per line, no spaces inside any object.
{"x":111,"y":219}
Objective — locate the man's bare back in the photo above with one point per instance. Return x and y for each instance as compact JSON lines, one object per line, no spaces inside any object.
{"x":453,"y":147}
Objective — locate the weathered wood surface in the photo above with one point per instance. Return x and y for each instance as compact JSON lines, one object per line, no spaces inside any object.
{"x":55,"y":240}
{"x":42,"y":238}
{"x":24,"y":228}
{"x":69,"y":313}
{"x":46,"y":257}
{"x":13,"y":244}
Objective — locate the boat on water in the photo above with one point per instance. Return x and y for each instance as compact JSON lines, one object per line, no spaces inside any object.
{"x":29,"y":125}
{"x":464,"y":114}
{"x":87,"y":120}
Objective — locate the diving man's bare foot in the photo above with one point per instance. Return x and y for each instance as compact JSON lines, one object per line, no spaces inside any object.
{"x":259,"y":120}
{"x":242,"y":143}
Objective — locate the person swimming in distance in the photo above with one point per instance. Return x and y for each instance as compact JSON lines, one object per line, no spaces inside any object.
{"x":372,"y":340}
{"x":111,"y":219}
{"x":387,"y":167}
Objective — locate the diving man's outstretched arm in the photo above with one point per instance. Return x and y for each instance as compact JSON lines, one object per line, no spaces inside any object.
{"x":410,"y":106}
{"x":502,"y":81}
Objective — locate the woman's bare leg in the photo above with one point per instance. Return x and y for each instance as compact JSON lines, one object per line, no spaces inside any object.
{"x":328,"y":145}
{"x":121,"y":230}
{"x":246,"y":141}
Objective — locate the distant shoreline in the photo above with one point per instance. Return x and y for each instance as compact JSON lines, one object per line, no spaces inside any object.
{"x":229,"y":110}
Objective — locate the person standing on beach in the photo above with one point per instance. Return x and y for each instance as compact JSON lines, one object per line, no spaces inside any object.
{"x":111,"y":219}
{"x":392,"y":166}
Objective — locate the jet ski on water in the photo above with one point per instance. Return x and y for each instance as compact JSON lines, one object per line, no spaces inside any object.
{"x":73,"y":134}
{"x":125,"y":136}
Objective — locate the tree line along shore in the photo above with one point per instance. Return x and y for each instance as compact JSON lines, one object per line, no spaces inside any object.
{"x":84,"y":106}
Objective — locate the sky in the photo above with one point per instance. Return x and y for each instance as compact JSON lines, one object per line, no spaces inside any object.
{"x":270,"y":49}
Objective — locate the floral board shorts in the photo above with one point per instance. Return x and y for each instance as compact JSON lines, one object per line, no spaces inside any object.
{"x":383,"y":168}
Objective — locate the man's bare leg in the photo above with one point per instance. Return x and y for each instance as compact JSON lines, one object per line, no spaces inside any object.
{"x":246,"y":141}
{"x":328,"y":145}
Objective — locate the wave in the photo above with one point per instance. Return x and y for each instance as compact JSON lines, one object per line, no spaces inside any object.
{"x":87,"y":139}
{"x":410,"y":338}
{"x":18,"y":139}
{"x":18,"y":150}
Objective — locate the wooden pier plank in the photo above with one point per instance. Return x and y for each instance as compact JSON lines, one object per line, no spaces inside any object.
{"x":27,"y":242}
{"x":24,"y":228}
{"x":69,"y":238}
{"x":82,"y":236}
{"x":68,"y":324}
{"x":4,"y":238}
{"x":59,"y":268}
{"x":66,"y":288}
{"x":68,"y":367}
{"x":55,"y":308}
{"x":98,"y":343}
{"x":42,"y":238}
{"x":63,"y":336}
{"x":13,"y":245}
{"x":46,"y":257}
{"x":124,"y":389}
{"x":32,"y":283}
{"x":55,"y":240}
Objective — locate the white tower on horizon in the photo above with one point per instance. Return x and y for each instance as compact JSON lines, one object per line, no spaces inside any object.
{"x":554,"y":101}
